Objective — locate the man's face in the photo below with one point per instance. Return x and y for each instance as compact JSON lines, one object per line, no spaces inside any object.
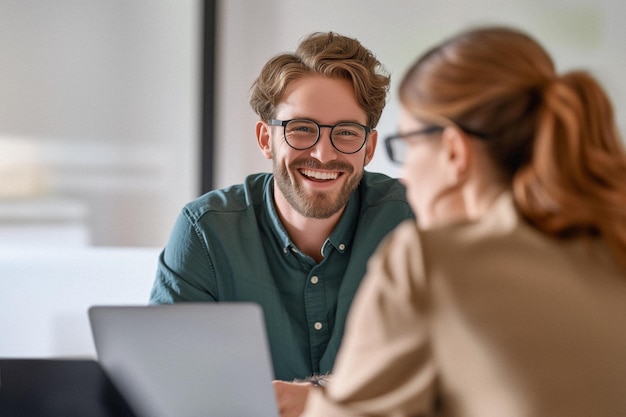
{"x":318,"y":182}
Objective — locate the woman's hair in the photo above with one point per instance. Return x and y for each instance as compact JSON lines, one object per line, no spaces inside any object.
{"x":330,"y":55}
{"x":553,"y":138}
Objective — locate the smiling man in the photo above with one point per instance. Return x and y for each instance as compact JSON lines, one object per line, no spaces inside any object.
{"x":295,"y":241}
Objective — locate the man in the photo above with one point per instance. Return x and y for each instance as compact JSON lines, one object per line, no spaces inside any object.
{"x":295,"y":241}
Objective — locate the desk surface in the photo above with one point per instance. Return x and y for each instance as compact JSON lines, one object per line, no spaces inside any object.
{"x":58,"y":388}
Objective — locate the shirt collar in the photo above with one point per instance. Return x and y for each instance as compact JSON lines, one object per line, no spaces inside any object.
{"x":343,"y":234}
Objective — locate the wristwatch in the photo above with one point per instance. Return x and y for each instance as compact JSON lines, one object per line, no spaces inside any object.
{"x":318,"y":381}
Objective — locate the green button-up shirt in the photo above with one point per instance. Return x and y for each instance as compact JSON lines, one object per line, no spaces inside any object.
{"x":229,"y":245}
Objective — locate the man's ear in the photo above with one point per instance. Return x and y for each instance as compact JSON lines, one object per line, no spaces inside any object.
{"x":263,"y":138}
{"x":457,"y":153}
{"x":370,"y":146}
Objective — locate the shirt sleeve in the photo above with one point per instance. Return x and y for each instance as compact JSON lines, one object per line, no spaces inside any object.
{"x":184,"y":271}
{"x":385,"y":364}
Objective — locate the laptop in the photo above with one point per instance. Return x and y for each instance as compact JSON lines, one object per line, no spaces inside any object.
{"x":187,"y":359}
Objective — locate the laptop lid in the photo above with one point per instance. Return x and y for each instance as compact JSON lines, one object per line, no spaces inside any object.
{"x":187,"y":359}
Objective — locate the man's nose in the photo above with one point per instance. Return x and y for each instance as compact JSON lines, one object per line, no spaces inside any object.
{"x":324,"y":150}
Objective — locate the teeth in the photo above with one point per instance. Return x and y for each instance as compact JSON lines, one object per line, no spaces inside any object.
{"x":320,"y":175}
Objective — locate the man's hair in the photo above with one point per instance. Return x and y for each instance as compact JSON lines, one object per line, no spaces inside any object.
{"x":330,"y":55}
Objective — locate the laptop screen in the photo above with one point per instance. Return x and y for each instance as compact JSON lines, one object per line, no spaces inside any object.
{"x":187,"y":359}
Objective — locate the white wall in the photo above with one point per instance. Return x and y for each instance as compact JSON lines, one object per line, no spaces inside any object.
{"x":108,"y":93}
{"x":46,"y":292}
{"x":579,"y":33}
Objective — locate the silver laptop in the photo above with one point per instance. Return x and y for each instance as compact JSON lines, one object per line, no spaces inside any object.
{"x":187,"y":359}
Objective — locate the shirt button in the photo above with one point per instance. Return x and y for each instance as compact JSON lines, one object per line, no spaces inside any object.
{"x":314,"y":280}
{"x":318,"y":325}
{"x":342,"y":246}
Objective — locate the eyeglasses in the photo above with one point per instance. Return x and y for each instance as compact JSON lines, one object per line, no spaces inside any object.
{"x":396,"y":145}
{"x":301,"y":134}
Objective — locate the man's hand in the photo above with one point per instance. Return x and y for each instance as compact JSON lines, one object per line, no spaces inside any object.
{"x":291,"y":397}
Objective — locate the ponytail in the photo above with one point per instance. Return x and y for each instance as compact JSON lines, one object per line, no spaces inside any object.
{"x":575,"y":183}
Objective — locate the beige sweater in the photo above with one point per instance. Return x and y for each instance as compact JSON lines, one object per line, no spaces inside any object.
{"x":487,"y":319}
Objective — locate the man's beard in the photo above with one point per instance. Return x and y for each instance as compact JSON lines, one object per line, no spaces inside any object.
{"x":320,"y":205}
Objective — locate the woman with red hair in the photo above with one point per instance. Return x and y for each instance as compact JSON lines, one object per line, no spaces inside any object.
{"x":507,"y":296}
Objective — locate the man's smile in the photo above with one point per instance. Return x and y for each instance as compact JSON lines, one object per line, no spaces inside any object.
{"x":319,"y":175}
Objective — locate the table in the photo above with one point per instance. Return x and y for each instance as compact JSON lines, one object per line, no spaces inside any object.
{"x":58,"y":388}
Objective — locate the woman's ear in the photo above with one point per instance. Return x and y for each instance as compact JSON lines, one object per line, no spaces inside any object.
{"x":457,"y":153}
{"x":263,"y":138}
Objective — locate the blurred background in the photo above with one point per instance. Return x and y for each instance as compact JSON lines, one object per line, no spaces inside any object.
{"x":115,"y":113}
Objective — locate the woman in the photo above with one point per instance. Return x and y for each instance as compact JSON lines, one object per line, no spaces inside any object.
{"x":508,"y":298}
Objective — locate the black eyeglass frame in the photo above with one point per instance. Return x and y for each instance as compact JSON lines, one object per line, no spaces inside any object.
{"x":405,"y":136}
{"x":427,"y":131}
{"x":283,"y":123}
